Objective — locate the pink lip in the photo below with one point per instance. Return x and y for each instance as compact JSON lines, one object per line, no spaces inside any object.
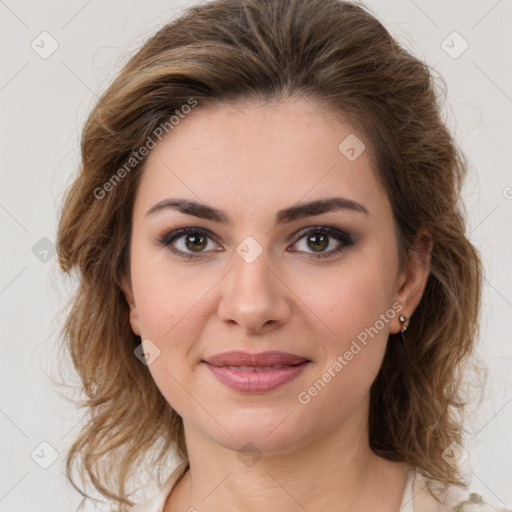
{"x":249,"y":379}
{"x":240,"y":358}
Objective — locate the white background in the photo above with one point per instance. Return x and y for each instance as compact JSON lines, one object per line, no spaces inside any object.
{"x":43,"y":105}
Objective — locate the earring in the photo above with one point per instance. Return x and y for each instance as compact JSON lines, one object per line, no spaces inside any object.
{"x":405,"y":323}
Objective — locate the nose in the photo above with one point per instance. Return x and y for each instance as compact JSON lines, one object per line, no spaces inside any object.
{"x":254,"y":296}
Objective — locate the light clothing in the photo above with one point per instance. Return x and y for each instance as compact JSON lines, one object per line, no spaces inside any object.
{"x":415,"y":498}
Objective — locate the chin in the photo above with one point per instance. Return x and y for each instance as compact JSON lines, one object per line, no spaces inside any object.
{"x":264,"y":433}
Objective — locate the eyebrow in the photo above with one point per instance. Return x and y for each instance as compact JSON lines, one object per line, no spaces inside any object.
{"x":290,"y":214}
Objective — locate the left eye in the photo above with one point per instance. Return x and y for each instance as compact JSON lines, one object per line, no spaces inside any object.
{"x":319,"y":239}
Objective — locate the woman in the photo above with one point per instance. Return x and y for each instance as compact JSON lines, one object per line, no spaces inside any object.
{"x":275,"y":284}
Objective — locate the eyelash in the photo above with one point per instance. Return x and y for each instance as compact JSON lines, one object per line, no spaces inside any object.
{"x":341,"y":236}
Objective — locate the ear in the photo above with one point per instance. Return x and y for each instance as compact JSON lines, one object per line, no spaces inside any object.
{"x":134,"y":317}
{"x":413,"y":279}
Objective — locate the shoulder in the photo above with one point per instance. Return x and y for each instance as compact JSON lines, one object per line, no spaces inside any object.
{"x":157,"y":502}
{"x":476,"y":503}
{"x":454,"y":499}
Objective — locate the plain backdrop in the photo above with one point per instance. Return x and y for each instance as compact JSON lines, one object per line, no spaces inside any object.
{"x":57,"y":56}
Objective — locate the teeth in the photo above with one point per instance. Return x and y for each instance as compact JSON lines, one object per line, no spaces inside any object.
{"x":255,"y":368}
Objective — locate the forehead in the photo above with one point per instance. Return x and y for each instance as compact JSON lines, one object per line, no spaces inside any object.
{"x":292,"y":129}
{"x":260,"y":155}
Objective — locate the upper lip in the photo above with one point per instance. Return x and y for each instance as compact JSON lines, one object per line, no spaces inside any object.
{"x":240,"y":358}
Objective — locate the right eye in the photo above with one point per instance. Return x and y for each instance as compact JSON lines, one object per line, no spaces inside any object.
{"x":194,"y":240}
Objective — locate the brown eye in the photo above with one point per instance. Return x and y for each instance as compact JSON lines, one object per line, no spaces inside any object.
{"x":195,"y":242}
{"x":187,"y":241}
{"x":320,"y":238}
{"x":318,"y":242}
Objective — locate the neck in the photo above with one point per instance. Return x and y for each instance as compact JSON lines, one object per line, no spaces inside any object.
{"x":337,"y":468}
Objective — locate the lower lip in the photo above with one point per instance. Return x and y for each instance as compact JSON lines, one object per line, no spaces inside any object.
{"x":251,"y":381}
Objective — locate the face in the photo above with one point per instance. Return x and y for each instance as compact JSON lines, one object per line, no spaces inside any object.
{"x":255,"y":271}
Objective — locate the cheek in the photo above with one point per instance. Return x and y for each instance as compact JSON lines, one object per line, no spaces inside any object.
{"x":168,"y":295}
{"x":357,"y":312}
{"x":352,"y":301}
{"x":355,"y":306}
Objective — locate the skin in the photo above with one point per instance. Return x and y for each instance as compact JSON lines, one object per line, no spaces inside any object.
{"x":252,"y":159}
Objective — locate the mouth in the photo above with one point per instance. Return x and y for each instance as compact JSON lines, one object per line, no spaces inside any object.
{"x":256,"y":373}
{"x":256,"y":368}
{"x":240,"y":358}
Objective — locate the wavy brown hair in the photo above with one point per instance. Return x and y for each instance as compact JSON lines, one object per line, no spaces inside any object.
{"x":340,"y":57}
